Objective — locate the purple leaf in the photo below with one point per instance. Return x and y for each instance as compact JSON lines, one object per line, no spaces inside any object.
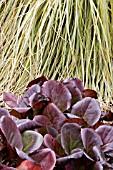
{"x":4,"y":112}
{"x":90,"y":93}
{"x":44,"y":121}
{"x":23,"y":155}
{"x":64,"y":160}
{"x":5,"y":167}
{"x":71,"y":137}
{"x":58,"y":94}
{"x":97,"y":166}
{"x":88,"y":109}
{"x":26,"y":124}
{"x":3,"y":142}
{"x":79,"y":121}
{"x":46,"y":158}
{"x":10,"y":99}
{"x":90,"y":139}
{"x":76,"y":93}
{"x":11,"y":132}
{"x":52,"y":131}
{"x":39,"y":81}
{"x":106,"y":134}
{"x":32,"y":141}
{"x":36,"y":98}
{"x":22,"y":109}
{"x":52,"y":143}
{"x":25,"y":101}
{"x":75,"y":82}
{"x":55,"y":116}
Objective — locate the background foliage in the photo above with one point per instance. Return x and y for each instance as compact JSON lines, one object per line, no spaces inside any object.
{"x":57,"y":38}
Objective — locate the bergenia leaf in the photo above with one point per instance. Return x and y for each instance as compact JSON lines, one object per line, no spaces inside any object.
{"x":27,"y":165}
{"x":23,"y":156}
{"x":90,"y":93}
{"x":44,"y":121}
{"x":33,"y":89}
{"x":58,"y":94}
{"x":3,"y":112}
{"x":11,"y":132}
{"x":79,"y":121}
{"x":108,"y":116}
{"x":64,"y":160}
{"x":38,"y":81}
{"x":71,"y":137}
{"x":46,"y":158}
{"x":74,"y":90}
{"x":10,"y":99}
{"x":90,"y":139}
{"x":36,"y":98}
{"x":32,"y":141}
{"x":41,"y":119}
{"x":52,"y":143}
{"x":88,"y":109}
{"x":19,"y":115}
{"x":52,"y":131}
{"x":106,"y":134}
{"x":3,"y":142}
{"x":5,"y":167}
{"x":27,"y":124}
{"x":25,"y":101}
{"x":55,"y":116}
{"x":75,"y":82}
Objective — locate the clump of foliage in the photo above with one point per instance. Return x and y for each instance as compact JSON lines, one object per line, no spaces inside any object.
{"x":55,"y":125}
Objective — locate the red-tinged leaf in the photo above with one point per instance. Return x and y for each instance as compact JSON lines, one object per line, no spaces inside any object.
{"x":90,"y":139}
{"x":88,"y":109}
{"x":79,"y":121}
{"x":32,"y":141}
{"x":22,"y":109}
{"x":39,"y":81}
{"x":27,"y":165}
{"x":71,"y":137}
{"x":53,"y":144}
{"x":11,"y":132}
{"x":58,"y":94}
{"x":10,"y":99}
{"x":4,"y":112}
{"x":17,"y":114}
{"x":108,"y":116}
{"x":55,"y":116}
{"x":90,"y":93}
{"x":106,"y":134}
{"x":46,"y":158}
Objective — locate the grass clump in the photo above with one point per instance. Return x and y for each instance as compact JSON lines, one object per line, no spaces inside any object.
{"x":57,"y":38}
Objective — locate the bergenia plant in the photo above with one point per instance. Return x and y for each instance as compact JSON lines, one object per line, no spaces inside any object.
{"x":55,"y":125}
